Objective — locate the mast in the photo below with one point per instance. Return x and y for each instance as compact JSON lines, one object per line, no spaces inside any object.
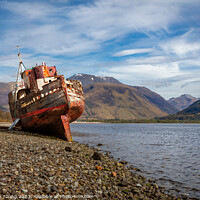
{"x":18,"y":74}
{"x":19,"y":71}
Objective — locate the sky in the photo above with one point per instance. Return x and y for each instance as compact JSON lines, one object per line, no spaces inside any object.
{"x":150,"y":43}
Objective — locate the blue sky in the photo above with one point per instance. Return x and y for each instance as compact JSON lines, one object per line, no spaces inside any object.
{"x":154,"y":43}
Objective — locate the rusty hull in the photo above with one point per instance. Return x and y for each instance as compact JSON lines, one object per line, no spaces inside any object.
{"x":50,"y":110}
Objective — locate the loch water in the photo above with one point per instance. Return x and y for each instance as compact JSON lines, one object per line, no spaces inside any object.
{"x":167,"y":153}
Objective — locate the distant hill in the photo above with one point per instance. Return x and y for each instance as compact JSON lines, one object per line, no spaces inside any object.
{"x":4,"y":90}
{"x":5,"y":116}
{"x":192,"y":113}
{"x":87,"y":79}
{"x":113,"y":101}
{"x":156,"y":99}
{"x":183,"y":101}
{"x":142,"y":93}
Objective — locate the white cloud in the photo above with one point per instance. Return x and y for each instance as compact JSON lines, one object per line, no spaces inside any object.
{"x":60,"y":1}
{"x":83,"y":29}
{"x":167,"y":80}
{"x":29,"y":10}
{"x":60,"y":32}
{"x":12,"y":61}
{"x":168,"y":76}
{"x":182,"y":46}
{"x":145,"y":71}
{"x":133,"y":51}
{"x":152,"y":60}
{"x":108,"y":19}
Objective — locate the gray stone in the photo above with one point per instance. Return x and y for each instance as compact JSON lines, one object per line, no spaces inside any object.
{"x":96,"y":156}
{"x":24,"y":190}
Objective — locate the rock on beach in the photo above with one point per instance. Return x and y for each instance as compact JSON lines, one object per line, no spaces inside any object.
{"x":35,"y":166}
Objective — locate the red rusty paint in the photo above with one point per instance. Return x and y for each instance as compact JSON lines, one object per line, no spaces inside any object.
{"x":62,"y":79}
{"x":51,"y":113}
{"x":37,"y":112}
{"x":65,"y":122}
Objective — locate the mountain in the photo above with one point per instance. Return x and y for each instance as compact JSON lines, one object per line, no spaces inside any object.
{"x":4,"y":90}
{"x":192,"y":113}
{"x":87,"y":79}
{"x":159,"y":106}
{"x":5,"y":116}
{"x":4,"y":113}
{"x":156,"y":99}
{"x":183,"y":101}
{"x":113,"y":101}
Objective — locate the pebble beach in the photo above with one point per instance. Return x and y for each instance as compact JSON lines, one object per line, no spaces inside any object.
{"x":41,"y":167}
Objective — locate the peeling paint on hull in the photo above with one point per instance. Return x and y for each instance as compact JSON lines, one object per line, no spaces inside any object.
{"x":42,"y":113}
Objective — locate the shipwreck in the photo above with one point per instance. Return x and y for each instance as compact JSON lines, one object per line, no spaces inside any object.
{"x":44,"y":102}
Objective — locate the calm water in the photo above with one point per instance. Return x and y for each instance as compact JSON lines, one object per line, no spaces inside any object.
{"x":168,"y":153}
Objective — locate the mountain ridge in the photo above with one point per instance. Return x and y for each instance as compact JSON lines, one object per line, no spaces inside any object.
{"x":192,"y":113}
{"x":182,"y":101}
{"x":4,"y":90}
{"x":87,"y":79}
{"x":143,"y":92}
{"x":112,"y":101}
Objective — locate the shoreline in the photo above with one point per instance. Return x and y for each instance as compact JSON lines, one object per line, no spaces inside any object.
{"x":8,"y":124}
{"x":62,"y":168}
{"x":85,"y":122}
{"x":136,"y":122}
